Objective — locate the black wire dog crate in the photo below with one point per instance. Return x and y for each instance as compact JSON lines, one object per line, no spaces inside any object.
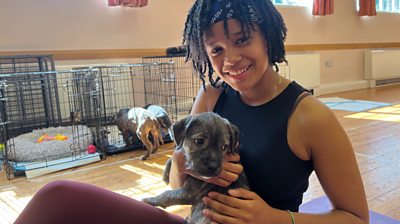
{"x":19,"y":64}
{"x":48,"y":120}
{"x":125,"y":86}
{"x":26,"y":63}
{"x":186,"y":82}
{"x":80,"y":104}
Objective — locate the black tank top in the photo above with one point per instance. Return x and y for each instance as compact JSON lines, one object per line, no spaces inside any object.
{"x":275,"y":173}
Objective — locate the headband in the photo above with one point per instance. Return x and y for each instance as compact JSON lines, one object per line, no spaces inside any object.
{"x":223,"y":10}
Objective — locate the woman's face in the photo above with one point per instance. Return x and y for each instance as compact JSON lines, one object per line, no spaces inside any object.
{"x":238,"y":60}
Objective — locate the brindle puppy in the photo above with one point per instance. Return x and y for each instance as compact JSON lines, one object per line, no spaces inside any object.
{"x":205,"y":139}
{"x":139,"y":122}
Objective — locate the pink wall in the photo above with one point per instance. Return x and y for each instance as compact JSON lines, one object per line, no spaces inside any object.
{"x":89,"y":24}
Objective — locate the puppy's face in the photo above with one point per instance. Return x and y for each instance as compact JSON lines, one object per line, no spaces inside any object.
{"x":205,"y":138}
{"x":76,"y":116}
{"x":103,"y":133}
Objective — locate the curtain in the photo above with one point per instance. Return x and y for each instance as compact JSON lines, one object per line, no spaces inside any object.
{"x":367,"y":8}
{"x":322,"y":7}
{"x":113,"y":2}
{"x":128,"y":3}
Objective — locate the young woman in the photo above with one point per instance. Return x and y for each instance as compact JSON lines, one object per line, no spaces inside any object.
{"x":285,"y":133}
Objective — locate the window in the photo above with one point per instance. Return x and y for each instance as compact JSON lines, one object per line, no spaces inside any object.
{"x":385,"y":5}
{"x":388,"y":6}
{"x":307,"y":3}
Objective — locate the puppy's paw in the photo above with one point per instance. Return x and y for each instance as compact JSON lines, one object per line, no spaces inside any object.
{"x":148,"y":201}
{"x":152,"y":201}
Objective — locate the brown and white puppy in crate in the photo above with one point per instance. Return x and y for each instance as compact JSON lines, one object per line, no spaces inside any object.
{"x":205,"y":139}
{"x":139,"y":122}
{"x":162,"y":117}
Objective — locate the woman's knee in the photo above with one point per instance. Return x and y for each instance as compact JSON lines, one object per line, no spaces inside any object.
{"x":57,"y":188}
{"x":57,"y":185}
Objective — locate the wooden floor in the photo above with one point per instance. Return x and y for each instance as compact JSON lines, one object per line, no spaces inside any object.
{"x":375,"y":135}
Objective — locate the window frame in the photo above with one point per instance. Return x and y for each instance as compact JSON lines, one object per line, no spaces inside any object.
{"x":294,"y":3}
{"x":388,"y":6}
{"x":379,"y":6}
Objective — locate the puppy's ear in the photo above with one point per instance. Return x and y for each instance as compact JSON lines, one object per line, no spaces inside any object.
{"x":234,"y":138}
{"x":179,"y":130}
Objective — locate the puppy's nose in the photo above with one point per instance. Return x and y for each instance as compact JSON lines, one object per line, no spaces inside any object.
{"x":212,"y":165}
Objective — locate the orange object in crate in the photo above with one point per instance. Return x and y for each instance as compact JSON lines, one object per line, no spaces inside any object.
{"x":46,"y":137}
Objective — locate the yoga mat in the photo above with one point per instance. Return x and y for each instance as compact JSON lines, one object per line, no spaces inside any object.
{"x":333,"y":99}
{"x":322,"y":204}
{"x":337,"y":103}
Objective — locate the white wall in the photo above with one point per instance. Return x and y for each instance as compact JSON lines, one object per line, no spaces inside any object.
{"x":346,"y":70}
{"x":344,"y":26}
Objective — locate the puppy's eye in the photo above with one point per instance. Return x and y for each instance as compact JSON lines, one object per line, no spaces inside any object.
{"x":225,"y":147}
{"x":199,"y":141}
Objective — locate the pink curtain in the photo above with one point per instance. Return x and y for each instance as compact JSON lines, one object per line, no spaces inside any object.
{"x":367,"y":8}
{"x":128,"y":3}
{"x":322,"y":7}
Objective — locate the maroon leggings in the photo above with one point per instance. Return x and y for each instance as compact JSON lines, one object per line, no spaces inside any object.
{"x":70,"y":202}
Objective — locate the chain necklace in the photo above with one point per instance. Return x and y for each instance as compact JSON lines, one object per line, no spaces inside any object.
{"x":278,"y":83}
{"x":273,"y":92}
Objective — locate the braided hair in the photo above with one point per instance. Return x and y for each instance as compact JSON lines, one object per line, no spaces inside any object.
{"x":271,"y":25}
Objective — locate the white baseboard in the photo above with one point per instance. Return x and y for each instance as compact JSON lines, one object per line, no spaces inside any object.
{"x":343,"y":86}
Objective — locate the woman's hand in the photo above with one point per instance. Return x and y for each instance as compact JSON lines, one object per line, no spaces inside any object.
{"x":240,"y":206}
{"x":178,"y":158}
{"x":230,"y":171}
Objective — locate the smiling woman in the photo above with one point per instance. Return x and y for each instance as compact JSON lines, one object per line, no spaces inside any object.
{"x":240,"y":56}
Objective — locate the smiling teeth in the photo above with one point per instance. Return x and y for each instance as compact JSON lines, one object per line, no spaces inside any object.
{"x":240,"y":71}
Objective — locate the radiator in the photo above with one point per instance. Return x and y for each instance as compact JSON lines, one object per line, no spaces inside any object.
{"x":382,"y":66}
{"x":304,"y":68}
